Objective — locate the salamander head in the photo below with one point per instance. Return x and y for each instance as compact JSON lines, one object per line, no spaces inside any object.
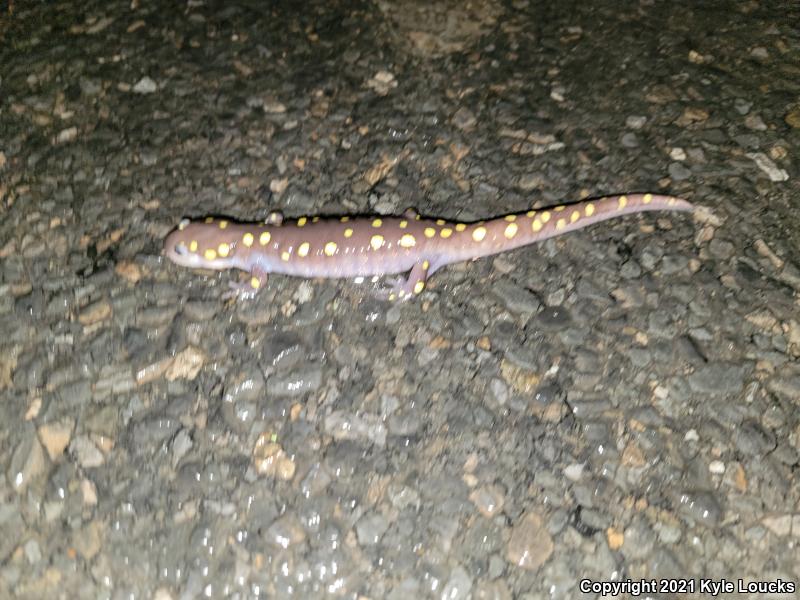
{"x":207,"y":244}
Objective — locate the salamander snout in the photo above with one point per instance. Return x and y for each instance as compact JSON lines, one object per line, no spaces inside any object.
{"x":204,"y":245}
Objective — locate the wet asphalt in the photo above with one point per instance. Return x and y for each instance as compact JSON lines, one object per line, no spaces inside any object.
{"x":618,"y":405}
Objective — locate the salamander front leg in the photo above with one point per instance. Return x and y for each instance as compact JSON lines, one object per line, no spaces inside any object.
{"x":405,"y":288}
{"x":249,"y":288}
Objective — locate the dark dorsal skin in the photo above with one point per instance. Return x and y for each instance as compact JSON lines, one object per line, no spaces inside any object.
{"x":379,"y":245}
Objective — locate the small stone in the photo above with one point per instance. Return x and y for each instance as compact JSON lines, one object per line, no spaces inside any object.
{"x":86,"y":453}
{"x":574,"y":472}
{"x":33,"y":551}
{"x":488,"y":499}
{"x":129,"y":271}
{"x":793,"y":118}
{"x":615,"y":538}
{"x":56,"y":436}
{"x":67,"y":135}
{"x":464,"y":119}
{"x":370,"y":529}
{"x":632,"y":456}
{"x":88,"y":540}
{"x":755,"y":122}
{"x":270,"y":460}
{"x":764,"y":250}
{"x":286,"y":531}
{"x":635,"y":122}
{"x":530,"y":545}
{"x":28,"y":462}
{"x":145,"y":86}
{"x":717,"y":467}
{"x":678,"y":171}
{"x":692,"y":115}
{"x":765,"y":163}
{"x":89,"y":492}
{"x":458,"y":586}
{"x":521,"y":380}
{"x":95,"y":312}
{"x":780,"y":525}
{"x":186,"y":364}
{"x":677,"y":154}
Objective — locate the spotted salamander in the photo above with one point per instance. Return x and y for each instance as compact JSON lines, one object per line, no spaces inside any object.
{"x":370,"y":246}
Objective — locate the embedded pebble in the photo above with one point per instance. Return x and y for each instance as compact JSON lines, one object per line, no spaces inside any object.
{"x":530,"y":544}
{"x":701,"y":506}
{"x":488,"y":500}
{"x":56,"y":436}
{"x":295,"y":383}
{"x":370,"y":528}
{"x":347,"y":426}
{"x":718,"y":378}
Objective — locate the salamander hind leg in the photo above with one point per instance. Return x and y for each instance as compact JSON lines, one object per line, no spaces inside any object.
{"x":405,"y":288}
{"x":247,"y":289}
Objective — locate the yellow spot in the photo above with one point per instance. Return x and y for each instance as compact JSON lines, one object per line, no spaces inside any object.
{"x":440,"y":221}
{"x":576,"y":214}
{"x":348,"y":232}
{"x":315,"y":220}
{"x":209,"y":219}
{"x":648,"y":198}
{"x":223,"y":224}
{"x":344,"y":219}
{"x":193,"y":246}
{"x":377,"y":223}
{"x":210,"y":254}
{"x":545,"y":216}
{"x":446,"y":232}
{"x":622,"y":202}
{"x":255,"y":283}
{"x":301,"y":221}
{"x":560,"y":224}
{"x":183,"y":224}
{"x":247,"y":239}
{"x":479,"y":233}
{"x":302,"y":249}
{"x":263,"y":239}
{"x":419,"y":286}
{"x":425,"y":264}
{"x":671,"y":201}
{"x":376,"y":242}
{"x":408,"y":241}
{"x":429,"y":232}
{"x":223,"y":249}
{"x":589,"y":210}
{"x":530,"y":213}
{"x":536,"y":225}
{"x":417,"y":217}
{"x":460,"y":226}
{"x":510,"y":218}
{"x":392,"y":297}
{"x":511,"y":230}
{"x":285,"y":256}
{"x":403,"y":224}
{"x":559,"y":208}
{"x":330,"y":248}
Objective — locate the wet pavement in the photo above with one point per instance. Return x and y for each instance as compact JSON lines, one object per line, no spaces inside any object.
{"x":617,"y":404}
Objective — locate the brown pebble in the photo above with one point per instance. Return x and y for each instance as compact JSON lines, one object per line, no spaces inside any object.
{"x":530,"y":544}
